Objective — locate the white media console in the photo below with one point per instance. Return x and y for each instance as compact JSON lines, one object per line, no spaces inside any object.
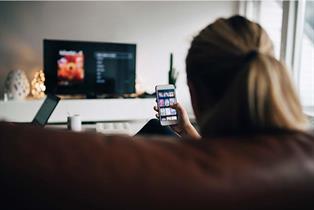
{"x":90,"y":110}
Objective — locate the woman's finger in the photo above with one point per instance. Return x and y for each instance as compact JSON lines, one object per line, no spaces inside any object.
{"x":157,"y":116}
{"x":177,"y":107}
{"x":156,"y":108}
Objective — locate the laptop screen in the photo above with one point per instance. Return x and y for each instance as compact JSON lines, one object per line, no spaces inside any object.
{"x":45,"y":110}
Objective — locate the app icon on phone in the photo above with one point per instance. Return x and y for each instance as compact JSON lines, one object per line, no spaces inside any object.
{"x":172,"y":101}
{"x":163,"y":111}
{"x":167,"y":102}
{"x":161,"y":102}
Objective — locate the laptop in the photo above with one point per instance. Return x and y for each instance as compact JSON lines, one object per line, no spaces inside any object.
{"x":45,"y":111}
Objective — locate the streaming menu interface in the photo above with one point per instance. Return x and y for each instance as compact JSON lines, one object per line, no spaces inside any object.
{"x":116,"y":66}
{"x":166,"y":98}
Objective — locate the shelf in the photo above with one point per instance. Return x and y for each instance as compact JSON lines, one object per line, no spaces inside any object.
{"x":90,"y":110}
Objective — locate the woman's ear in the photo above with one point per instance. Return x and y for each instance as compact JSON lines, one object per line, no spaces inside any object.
{"x":194,"y":100}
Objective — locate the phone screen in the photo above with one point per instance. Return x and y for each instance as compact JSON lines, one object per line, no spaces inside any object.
{"x":166,"y":98}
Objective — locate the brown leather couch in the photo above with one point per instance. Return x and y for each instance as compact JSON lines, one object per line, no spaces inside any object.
{"x":54,"y":169}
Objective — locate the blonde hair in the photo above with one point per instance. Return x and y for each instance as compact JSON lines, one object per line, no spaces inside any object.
{"x":231,"y":62}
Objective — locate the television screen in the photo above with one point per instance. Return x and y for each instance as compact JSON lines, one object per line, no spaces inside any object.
{"x":90,"y":68}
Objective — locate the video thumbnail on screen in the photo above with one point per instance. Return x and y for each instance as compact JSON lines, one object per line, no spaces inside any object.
{"x":70,"y":67}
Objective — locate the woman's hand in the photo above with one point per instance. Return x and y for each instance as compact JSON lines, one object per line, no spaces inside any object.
{"x":184,"y":126}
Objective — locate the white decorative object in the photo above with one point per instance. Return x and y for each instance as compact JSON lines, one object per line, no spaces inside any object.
{"x":16,"y":85}
{"x":75,"y":123}
{"x":5,"y":97}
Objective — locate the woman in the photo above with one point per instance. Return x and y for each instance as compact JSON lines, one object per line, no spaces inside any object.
{"x":237,"y":86}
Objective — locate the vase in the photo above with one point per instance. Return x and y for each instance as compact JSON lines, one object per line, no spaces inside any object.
{"x":17,"y":85}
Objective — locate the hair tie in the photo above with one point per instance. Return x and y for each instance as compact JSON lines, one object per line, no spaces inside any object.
{"x":250,"y":56}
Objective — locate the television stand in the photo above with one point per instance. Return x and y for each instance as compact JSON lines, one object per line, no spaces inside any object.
{"x":92,"y":96}
{"x":90,"y":110}
{"x":109,"y":96}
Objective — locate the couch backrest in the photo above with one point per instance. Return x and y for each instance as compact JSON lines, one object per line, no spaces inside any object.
{"x":55,"y":169}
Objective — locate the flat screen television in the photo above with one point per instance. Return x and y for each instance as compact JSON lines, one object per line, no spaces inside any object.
{"x":89,"y":68}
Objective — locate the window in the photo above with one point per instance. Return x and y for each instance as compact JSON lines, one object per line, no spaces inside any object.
{"x":270,"y":18}
{"x":306,"y":67}
{"x":269,"y":15}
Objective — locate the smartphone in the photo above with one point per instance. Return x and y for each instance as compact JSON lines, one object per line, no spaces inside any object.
{"x":166,"y":96}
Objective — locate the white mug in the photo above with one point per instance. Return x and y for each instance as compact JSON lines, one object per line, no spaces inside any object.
{"x":74,"y":123}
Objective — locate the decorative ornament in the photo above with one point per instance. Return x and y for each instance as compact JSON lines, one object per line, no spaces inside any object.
{"x":16,"y":85}
{"x":139,"y":86}
{"x":38,"y":85}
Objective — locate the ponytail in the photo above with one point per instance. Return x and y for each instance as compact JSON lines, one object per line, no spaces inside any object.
{"x":272,"y":99}
{"x":260,"y":98}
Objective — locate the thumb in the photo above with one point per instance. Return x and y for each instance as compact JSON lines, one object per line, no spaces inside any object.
{"x":178,"y":107}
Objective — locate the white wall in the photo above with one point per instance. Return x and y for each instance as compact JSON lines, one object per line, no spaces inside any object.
{"x":157,"y":28}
